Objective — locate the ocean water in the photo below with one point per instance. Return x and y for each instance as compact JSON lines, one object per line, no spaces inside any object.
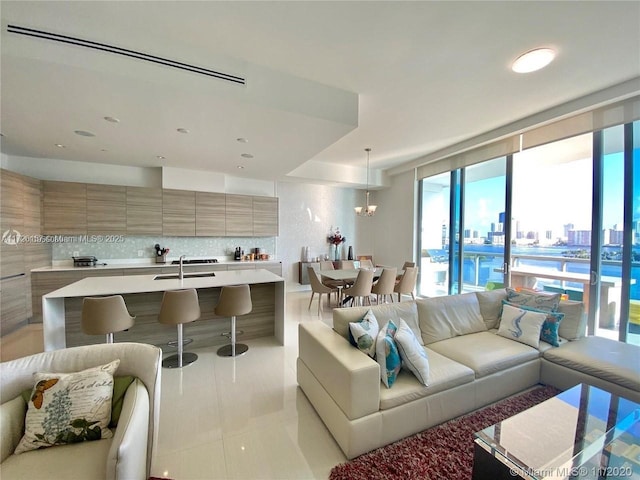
{"x":492,"y":258}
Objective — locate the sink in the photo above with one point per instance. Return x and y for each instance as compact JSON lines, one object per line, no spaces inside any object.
{"x":175,"y":276}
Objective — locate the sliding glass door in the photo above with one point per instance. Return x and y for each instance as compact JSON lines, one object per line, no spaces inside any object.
{"x":562,"y":217}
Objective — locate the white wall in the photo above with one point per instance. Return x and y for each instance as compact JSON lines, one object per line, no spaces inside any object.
{"x":391,"y":235}
{"x":307,"y":213}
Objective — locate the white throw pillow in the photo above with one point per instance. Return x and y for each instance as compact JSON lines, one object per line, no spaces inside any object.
{"x":413,"y":355}
{"x":364,"y":333}
{"x":69,"y":408}
{"x":521,"y":325}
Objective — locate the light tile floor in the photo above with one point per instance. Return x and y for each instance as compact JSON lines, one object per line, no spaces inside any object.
{"x":242,"y":418}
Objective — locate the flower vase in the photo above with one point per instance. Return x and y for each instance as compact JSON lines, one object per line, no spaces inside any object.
{"x":338,"y":253}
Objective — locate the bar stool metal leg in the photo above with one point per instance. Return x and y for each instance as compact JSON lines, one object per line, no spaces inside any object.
{"x":182,"y":359}
{"x":233,"y":349}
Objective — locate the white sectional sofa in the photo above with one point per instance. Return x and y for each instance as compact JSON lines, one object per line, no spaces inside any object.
{"x":470,"y":366}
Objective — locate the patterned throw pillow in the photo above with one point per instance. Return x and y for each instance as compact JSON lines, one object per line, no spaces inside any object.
{"x":521,"y":325}
{"x":550,"y":327}
{"x":387,"y":354}
{"x":69,"y":408}
{"x":542,"y":301}
{"x":413,"y":355}
{"x":363,"y":334}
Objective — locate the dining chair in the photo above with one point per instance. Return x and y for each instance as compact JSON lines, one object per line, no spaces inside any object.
{"x":335,"y":284}
{"x":407,"y":283}
{"x":361,"y":288}
{"x":385,"y":284}
{"x":404,"y":267}
{"x":347,"y":265}
{"x":318,"y":287}
{"x":366,"y":263}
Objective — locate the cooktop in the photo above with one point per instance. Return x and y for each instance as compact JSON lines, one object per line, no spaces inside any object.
{"x":198,"y":260}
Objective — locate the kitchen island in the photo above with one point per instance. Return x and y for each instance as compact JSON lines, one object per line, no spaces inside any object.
{"x":62,"y":308}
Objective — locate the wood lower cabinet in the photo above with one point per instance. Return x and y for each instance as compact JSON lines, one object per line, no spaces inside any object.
{"x":239,"y":213}
{"x":106,"y":209}
{"x":265,"y":216}
{"x":65,"y":208}
{"x":13,"y":304}
{"x":210,"y":214}
{"x":144,"y":211}
{"x":178,"y":213}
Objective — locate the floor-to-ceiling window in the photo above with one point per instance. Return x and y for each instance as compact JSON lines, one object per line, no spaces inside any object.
{"x":572,"y":209}
{"x":434,"y":237}
{"x":484,"y":232}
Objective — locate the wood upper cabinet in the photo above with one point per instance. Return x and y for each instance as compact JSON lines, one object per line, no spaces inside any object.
{"x":144,"y":211}
{"x":210,"y":214}
{"x":32,"y":205}
{"x":178,"y":213}
{"x":65,"y":208}
{"x":106,"y":209}
{"x":239,"y":213}
{"x":265,"y":216}
{"x":11,"y":223}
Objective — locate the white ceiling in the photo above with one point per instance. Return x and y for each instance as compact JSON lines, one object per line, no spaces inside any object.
{"x":324,"y":79}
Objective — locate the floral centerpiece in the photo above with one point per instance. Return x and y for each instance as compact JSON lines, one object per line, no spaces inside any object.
{"x":335,"y":238}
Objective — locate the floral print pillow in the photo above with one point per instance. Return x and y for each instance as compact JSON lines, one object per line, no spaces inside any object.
{"x":69,"y":408}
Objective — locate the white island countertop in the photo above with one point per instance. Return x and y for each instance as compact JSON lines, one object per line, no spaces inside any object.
{"x":119,"y":285}
{"x":53,"y":304}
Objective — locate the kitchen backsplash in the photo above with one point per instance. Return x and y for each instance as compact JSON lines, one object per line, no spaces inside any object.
{"x":127,"y":247}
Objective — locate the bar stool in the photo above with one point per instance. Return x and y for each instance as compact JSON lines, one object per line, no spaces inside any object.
{"x":179,"y":307}
{"x":104,"y":316}
{"x":234,"y":300}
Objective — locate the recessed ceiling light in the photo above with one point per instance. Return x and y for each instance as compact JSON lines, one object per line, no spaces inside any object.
{"x":240,"y":167}
{"x":160,"y":157}
{"x":246,"y":155}
{"x":112,"y":119}
{"x":242,"y":140}
{"x":183,"y":130}
{"x":83,"y":133}
{"x":59,"y":145}
{"x":533,"y":60}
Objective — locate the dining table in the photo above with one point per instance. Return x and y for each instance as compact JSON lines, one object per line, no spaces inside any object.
{"x":347,"y":276}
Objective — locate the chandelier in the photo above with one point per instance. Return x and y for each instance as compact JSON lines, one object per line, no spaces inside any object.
{"x":367,"y":210}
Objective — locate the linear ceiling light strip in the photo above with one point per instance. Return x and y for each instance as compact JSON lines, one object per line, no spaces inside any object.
{"x":124,"y":52}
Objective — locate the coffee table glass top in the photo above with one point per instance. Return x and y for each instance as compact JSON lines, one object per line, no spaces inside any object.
{"x":584,"y":432}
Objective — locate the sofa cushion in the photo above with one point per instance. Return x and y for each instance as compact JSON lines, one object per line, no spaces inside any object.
{"x":539,"y":300}
{"x":610,"y":360}
{"x":444,"y":374}
{"x":69,"y":407}
{"x":449,"y":316}
{"x":550,"y":327}
{"x":391,"y":311}
{"x":574,"y":323}
{"x":485,"y":353}
{"x":414,"y":357}
{"x":84,"y":460}
{"x":521,"y":325}
{"x":491,"y":306}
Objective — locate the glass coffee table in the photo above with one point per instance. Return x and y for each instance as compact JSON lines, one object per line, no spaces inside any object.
{"x":584,"y":432}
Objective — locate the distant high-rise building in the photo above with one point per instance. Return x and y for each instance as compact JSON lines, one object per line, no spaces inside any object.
{"x":567,"y":228}
{"x":579,"y":238}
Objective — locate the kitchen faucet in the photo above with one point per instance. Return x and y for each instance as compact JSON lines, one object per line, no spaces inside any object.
{"x":181,"y":273}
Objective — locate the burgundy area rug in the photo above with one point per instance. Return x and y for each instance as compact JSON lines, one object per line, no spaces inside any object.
{"x":442,"y":452}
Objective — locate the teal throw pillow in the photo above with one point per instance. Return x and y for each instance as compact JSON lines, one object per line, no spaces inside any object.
{"x":387,"y":354}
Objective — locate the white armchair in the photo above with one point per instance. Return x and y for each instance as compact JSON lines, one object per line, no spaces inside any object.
{"x":126,"y":456}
